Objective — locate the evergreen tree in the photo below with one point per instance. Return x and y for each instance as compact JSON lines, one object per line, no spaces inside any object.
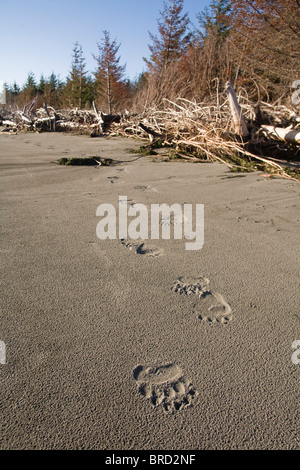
{"x":77,"y":88}
{"x":215,"y":20}
{"x":140,"y":82}
{"x":12,"y":93}
{"x":29,"y":89}
{"x":51,"y":90}
{"x":89,"y":92}
{"x":15,"y":89}
{"x":53,"y":83}
{"x":42,"y":85}
{"x":172,"y":39}
{"x":110,"y":85}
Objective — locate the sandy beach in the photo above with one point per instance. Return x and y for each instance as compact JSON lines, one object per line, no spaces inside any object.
{"x":142,"y":345}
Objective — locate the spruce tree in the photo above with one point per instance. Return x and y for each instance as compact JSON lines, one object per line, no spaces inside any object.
{"x":42,"y":85}
{"x":110,"y":85}
{"x":76,"y":87}
{"x":215,"y":20}
{"x":29,"y":89}
{"x":172,"y":36}
{"x":52,"y":89}
{"x":15,"y":89}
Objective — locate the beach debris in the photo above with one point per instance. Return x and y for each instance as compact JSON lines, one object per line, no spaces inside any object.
{"x":227,"y":128}
{"x":288,"y":135}
{"x":85,"y":161}
{"x":104,"y":121}
{"x":236,"y":112}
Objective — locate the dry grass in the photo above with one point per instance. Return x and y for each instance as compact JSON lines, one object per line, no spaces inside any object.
{"x":203,"y":131}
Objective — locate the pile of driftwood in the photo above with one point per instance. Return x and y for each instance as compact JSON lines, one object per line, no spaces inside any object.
{"x":230,"y":129}
{"x":47,"y":119}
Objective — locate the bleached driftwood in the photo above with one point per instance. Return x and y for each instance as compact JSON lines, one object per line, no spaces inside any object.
{"x":45,"y":124}
{"x":25,"y":118}
{"x":236,"y":112}
{"x":28,"y":107}
{"x":98,"y":115}
{"x":104,"y":120}
{"x":67,"y":124}
{"x":6,"y":122}
{"x":291,"y":136}
{"x":46,"y":109}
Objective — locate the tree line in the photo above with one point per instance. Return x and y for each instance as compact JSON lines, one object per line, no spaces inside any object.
{"x":107,"y":86}
{"x":252,"y":43}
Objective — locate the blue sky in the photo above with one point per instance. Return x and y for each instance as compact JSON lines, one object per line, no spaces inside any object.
{"x":39,"y":36}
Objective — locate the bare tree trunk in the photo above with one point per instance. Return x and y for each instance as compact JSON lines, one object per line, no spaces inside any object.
{"x":109,"y":93}
{"x":236,"y":112}
{"x":80,"y":90}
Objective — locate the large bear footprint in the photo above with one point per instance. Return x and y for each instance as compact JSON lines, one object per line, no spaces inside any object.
{"x":165,"y":386}
{"x":211,"y":308}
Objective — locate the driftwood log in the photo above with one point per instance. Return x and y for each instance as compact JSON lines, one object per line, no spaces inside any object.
{"x":236,"y":112}
{"x":291,"y":136}
{"x":151,"y":133}
{"x":104,"y":121}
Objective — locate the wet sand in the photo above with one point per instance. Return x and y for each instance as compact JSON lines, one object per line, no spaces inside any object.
{"x":145,"y":345}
